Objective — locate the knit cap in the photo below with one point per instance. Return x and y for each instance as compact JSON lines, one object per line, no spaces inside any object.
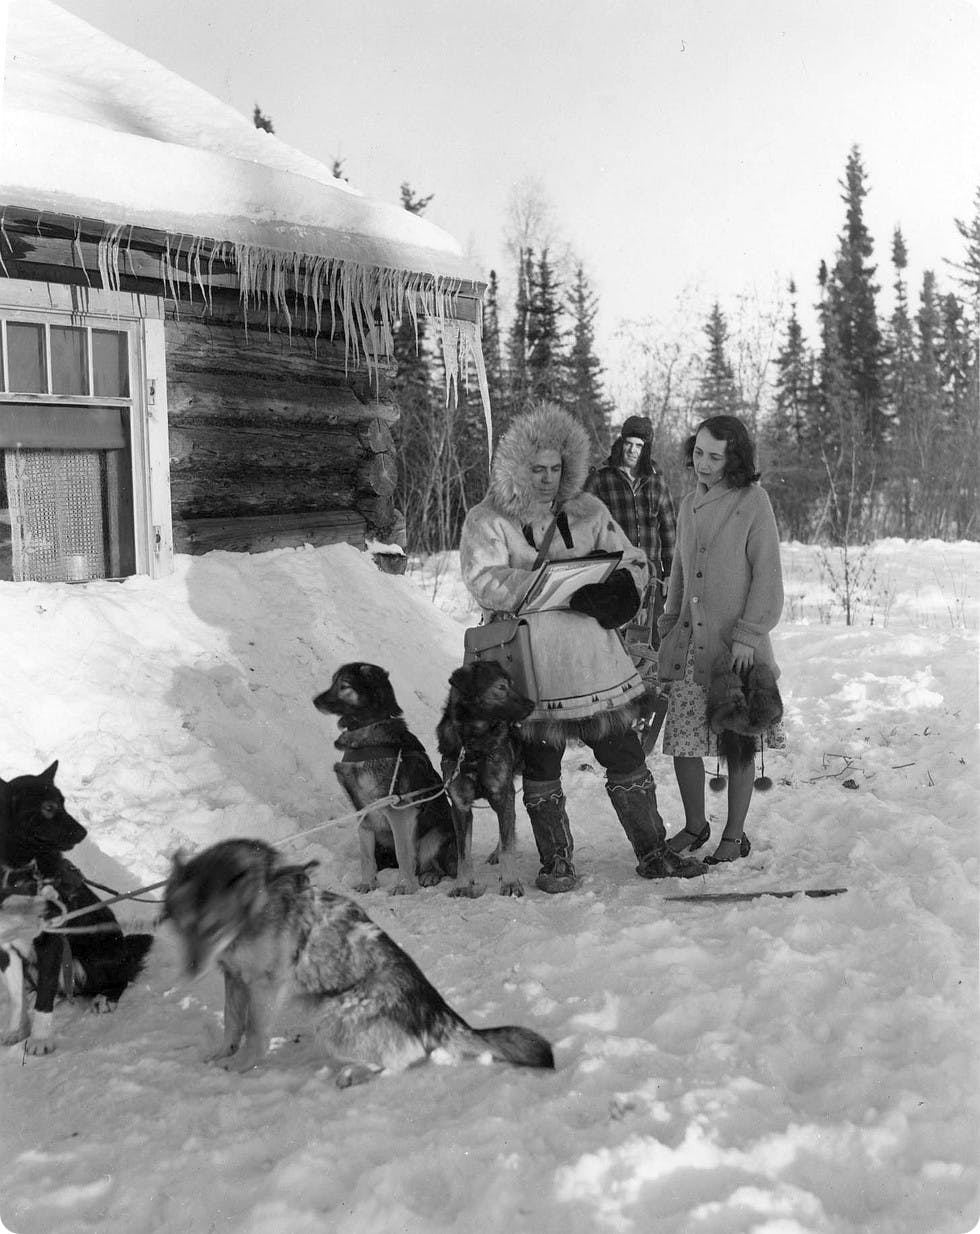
{"x":637,"y":426}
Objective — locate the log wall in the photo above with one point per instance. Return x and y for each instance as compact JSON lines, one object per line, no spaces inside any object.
{"x":272,"y":425}
{"x":276,"y":437}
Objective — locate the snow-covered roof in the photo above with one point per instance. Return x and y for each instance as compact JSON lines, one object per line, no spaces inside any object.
{"x":96,"y":132}
{"x":94,"y":129}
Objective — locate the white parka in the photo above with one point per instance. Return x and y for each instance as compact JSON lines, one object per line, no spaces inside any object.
{"x":587,"y":682}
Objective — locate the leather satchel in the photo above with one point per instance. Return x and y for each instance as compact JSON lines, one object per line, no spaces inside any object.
{"x":507,"y":640}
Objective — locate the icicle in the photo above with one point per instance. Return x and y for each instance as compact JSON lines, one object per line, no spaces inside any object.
{"x":472,"y":351}
{"x":77,"y":246}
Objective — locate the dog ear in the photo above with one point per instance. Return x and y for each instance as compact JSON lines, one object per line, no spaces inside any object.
{"x":47,"y":776}
{"x":461,"y":677}
{"x":178,"y":863}
{"x":375,"y":671}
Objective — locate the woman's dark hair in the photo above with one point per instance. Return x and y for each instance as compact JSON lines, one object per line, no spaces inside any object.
{"x":644,"y":467}
{"x":740,"y":469}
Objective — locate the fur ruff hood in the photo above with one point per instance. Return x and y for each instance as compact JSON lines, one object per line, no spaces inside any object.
{"x":544,"y":427}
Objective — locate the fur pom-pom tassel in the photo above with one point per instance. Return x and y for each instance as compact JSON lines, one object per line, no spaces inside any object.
{"x":762,"y":783}
{"x":717,"y":781}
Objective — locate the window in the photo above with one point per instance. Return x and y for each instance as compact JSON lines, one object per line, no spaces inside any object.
{"x":69,"y":436}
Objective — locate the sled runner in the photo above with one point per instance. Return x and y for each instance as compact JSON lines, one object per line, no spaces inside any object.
{"x":723,"y":897}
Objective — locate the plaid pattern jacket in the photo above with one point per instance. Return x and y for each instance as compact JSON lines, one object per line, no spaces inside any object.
{"x":646,"y":514}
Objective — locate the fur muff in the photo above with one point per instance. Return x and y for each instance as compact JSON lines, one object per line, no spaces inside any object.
{"x":741,"y":708}
{"x":612,"y":603}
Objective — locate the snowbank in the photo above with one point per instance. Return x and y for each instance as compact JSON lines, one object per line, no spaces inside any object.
{"x":802,"y":1066}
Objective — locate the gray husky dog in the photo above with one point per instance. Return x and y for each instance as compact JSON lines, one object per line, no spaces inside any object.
{"x":276,"y":937}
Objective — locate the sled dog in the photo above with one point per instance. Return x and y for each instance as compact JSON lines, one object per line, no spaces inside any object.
{"x":35,"y":832}
{"x":479,"y":744}
{"x":381,"y":757}
{"x":275,"y":937}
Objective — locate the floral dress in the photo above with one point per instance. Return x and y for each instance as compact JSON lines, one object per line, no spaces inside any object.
{"x":686,"y":731}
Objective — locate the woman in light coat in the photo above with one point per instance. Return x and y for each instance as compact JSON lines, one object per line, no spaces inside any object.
{"x":724,"y":598}
{"x":588,"y":686}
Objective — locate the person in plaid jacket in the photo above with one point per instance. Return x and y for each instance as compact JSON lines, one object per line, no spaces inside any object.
{"x":638,"y":499}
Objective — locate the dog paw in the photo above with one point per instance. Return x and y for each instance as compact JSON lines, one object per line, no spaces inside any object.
{"x":515,"y":888}
{"x":364,"y":887}
{"x":14,"y":1036}
{"x":354,"y":1073}
{"x":468,"y":891}
{"x":39,"y":1045}
{"x":429,"y":878}
{"x":404,"y":889}
{"x":103,"y":1005}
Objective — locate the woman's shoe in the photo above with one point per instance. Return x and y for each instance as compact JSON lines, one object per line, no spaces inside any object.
{"x":744,"y":848}
{"x":690,"y":841}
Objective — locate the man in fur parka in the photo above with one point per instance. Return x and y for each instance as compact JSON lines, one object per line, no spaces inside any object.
{"x":587,"y":684}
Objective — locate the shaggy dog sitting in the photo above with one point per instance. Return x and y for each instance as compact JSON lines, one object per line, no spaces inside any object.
{"x":382,"y":757}
{"x":277,"y":939}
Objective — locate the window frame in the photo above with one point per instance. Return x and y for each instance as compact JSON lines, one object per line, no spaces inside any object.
{"x":141,"y":318}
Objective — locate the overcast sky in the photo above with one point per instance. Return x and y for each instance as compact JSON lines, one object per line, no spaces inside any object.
{"x":680,"y":142}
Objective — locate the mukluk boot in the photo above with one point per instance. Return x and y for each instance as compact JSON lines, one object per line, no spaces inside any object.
{"x":545,"y":805}
{"x":634,"y":798}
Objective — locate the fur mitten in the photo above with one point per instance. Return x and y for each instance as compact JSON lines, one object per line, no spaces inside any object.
{"x":611,"y":603}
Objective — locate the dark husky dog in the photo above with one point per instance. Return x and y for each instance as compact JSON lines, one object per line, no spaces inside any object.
{"x":479,"y":746}
{"x":35,"y":831}
{"x":382,"y":757}
{"x":276,"y":937}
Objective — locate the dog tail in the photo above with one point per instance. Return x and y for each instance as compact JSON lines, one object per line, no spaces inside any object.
{"x":521,"y":1047}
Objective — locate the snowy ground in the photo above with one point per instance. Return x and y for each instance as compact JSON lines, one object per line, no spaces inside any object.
{"x":776,"y":1066}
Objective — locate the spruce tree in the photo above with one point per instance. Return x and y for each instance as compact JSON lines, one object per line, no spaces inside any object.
{"x":932,"y":449}
{"x":852,"y":293}
{"x":517,"y":339}
{"x":899,"y":390}
{"x":544,"y":335}
{"x":718,"y":393}
{"x":959,"y":366}
{"x":784,"y":449}
{"x":584,"y":395}
{"x":493,"y":352}
{"x":260,"y":121}
{"x":969,"y":268}
{"x":837,"y":437}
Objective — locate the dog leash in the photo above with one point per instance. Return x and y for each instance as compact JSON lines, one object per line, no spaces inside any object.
{"x":57,"y":924}
{"x":397,"y":801}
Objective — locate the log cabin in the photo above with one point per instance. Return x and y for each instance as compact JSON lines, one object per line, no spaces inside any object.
{"x":196,"y":320}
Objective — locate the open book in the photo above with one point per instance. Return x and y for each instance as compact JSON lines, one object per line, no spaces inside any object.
{"x":557,"y":581}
